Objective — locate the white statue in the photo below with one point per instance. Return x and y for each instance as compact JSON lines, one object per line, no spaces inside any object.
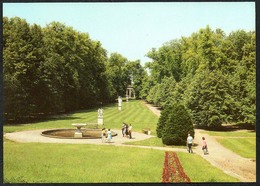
{"x":119,"y":101}
{"x":100,"y":112}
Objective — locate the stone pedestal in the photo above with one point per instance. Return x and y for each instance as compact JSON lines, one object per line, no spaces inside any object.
{"x":119,"y":108}
{"x":100,"y":121}
{"x":78,"y":135}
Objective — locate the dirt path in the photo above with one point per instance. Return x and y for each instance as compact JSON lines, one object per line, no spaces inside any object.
{"x":242,"y":168}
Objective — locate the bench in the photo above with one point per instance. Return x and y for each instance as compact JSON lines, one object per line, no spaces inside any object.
{"x":146,"y":131}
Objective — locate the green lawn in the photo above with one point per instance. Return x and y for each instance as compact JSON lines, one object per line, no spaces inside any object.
{"x":245,"y":147}
{"x":153,"y":141}
{"x":133,"y":112}
{"x":200,"y":170}
{"x":238,"y":133}
{"x":67,"y":163}
{"x":77,"y":163}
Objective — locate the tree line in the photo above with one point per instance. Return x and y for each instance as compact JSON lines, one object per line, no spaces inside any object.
{"x":212,"y":74}
{"x":57,"y":69}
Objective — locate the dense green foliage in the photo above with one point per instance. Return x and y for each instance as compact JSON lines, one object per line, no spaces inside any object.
{"x":174,"y":125}
{"x":58,"y":69}
{"x":210,"y":73}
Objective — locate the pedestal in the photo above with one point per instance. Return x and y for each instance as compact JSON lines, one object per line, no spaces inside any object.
{"x":100,"y":121}
{"x":119,"y":108}
{"x":78,"y":134}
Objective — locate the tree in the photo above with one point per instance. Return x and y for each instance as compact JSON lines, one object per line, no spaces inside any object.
{"x":118,"y":75}
{"x":214,"y":76}
{"x":174,"y":125}
{"x":18,"y":64}
{"x":50,"y":70}
{"x":137,"y":73}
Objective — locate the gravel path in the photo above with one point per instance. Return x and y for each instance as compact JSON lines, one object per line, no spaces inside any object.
{"x":242,"y":168}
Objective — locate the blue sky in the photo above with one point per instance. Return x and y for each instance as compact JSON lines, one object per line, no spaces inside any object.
{"x":132,"y":29}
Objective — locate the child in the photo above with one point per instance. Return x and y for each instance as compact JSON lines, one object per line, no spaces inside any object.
{"x":109,"y":136}
{"x":204,"y":146}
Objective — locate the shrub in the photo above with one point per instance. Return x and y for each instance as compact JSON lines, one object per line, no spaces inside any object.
{"x":161,"y":122}
{"x":174,"y":125}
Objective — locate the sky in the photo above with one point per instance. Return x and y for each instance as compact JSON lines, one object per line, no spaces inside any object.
{"x":133,"y":29}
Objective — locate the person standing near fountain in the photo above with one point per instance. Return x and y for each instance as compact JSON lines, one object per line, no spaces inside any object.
{"x":130,"y":131}
{"x":103,"y":135}
{"x":123,"y":129}
{"x":109,"y":136}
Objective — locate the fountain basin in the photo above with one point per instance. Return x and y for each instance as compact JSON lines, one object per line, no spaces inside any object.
{"x":69,"y":133}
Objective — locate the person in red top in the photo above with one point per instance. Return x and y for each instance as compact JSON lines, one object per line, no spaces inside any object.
{"x":204,"y":146}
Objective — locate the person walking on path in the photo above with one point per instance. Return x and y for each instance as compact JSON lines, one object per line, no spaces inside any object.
{"x":189,"y":143}
{"x":109,"y":136}
{"x":204,"y":146}
{"x":130,"y":131}
{"x":103,"y":135}
{"x":124,"y":128}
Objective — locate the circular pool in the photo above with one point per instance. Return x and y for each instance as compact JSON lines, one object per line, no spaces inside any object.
{"x":69,"y":133}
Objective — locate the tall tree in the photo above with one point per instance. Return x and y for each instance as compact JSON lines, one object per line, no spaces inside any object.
{"x":118,"y":75}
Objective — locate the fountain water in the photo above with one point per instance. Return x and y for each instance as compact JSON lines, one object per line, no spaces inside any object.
{"x":79,"y":133}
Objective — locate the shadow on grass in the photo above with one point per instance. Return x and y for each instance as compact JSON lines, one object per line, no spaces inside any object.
{"x":37,"y":120}
{"x":229,"y":127}
{"x":41,"y":117}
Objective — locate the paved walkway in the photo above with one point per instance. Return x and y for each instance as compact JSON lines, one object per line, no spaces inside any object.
{"x":231,"y":163}
{"x":36,"y":137}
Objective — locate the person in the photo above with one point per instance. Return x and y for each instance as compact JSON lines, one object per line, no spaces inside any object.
{"x":103,"y":135}
{"x":130,"y":131}
{"x":109,"y":136}
{"x":204,"y":146}
{"x":126,"y":130}
{"x":123,"y":129}
{"x":189,"y":143}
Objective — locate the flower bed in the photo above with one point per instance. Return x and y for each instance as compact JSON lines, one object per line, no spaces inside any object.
{"x":173,"y":171}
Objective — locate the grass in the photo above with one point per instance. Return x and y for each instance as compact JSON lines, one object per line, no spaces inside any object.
{"x":134,"y":113}
{"x":153,"y":141}
{"x":237,"y":133}
{"x":245,"y":147}
{"x":199,"y":170}
{"x":77,"y":163}
{"x":67,"y":163}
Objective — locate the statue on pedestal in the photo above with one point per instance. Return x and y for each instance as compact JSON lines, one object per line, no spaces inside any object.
{"x":100,"y":116}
